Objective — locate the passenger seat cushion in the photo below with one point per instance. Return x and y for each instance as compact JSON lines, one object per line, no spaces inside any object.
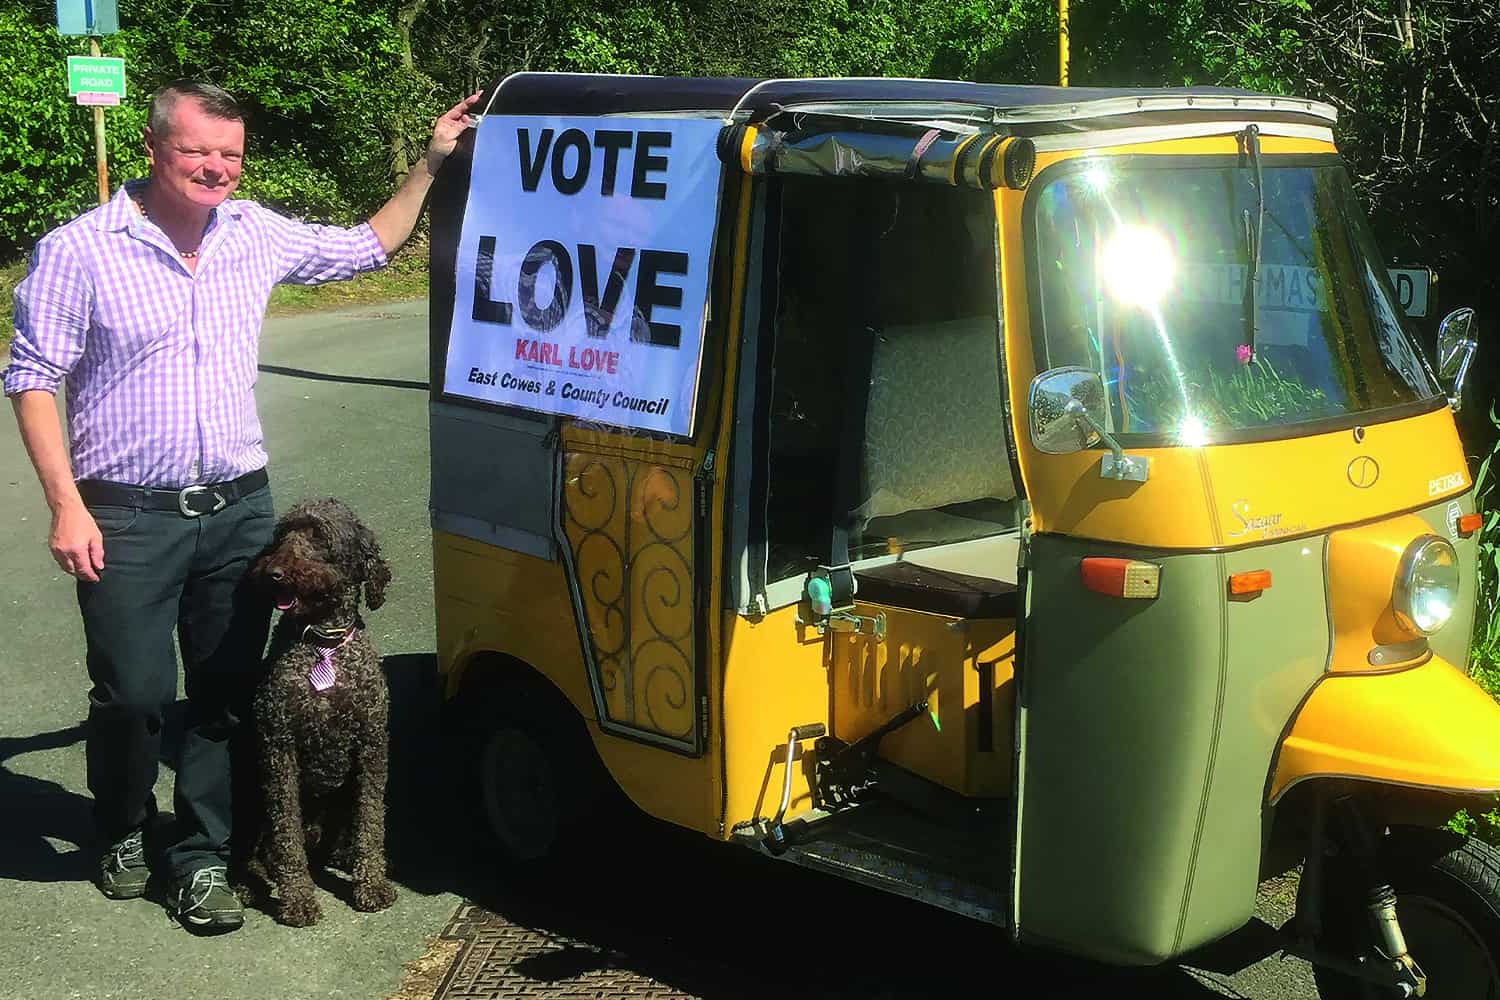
{"x":934,"y":429}
{"x":907,"y":585}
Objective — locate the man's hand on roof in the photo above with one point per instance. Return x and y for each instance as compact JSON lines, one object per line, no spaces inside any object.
{"x":447,"y":129}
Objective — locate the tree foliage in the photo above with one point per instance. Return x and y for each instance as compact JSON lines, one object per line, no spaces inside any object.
{"x":1417,"y":87}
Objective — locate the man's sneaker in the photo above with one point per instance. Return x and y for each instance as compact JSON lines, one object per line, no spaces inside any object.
{"x":123,"y":872}
{"x":203,"y":901}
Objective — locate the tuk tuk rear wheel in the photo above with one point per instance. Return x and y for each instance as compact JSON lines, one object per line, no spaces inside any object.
{"x":531,"y":775}
{"x":519,"y":794}
{"x":1448,"y":904}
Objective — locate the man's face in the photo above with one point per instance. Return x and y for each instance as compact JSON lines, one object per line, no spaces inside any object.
{"x":199,"y":159}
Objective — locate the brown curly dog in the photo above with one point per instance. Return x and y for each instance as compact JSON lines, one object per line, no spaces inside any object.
{"x":321,"y":713}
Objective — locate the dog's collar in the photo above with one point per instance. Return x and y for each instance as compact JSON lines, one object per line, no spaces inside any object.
{"x":331,"y":637}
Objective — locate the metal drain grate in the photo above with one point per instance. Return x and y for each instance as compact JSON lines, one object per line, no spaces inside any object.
{"x":500,"y":959}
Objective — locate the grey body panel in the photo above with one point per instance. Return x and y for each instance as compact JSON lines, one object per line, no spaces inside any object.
{"x":493,"y":477}
{"x":1149,"y":728}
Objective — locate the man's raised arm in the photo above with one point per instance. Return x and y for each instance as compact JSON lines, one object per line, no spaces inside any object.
{"x":397,"y":217}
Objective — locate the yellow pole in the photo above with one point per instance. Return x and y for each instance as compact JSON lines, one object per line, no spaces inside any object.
{"x":100,"y":162}
{"x":1062,"y":41}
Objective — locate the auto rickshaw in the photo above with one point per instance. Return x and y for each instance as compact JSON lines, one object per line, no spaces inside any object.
{"x":1030,"y":501}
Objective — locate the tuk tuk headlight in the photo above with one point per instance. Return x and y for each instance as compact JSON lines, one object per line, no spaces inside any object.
{"x":1426,"y":585}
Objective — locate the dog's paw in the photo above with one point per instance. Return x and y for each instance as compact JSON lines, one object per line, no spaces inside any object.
{"x":374,"y":897}
{"x":298,"y":911}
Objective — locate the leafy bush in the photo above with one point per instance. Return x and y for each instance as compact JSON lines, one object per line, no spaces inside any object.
{"x":10,"y":277}
{"x":1487,"y":670}
{"x":1485,"y":658}
{"x":47,"y":169}
{"x":1485,"y":826}
{"x":1487,"y":574}
{"x":292,"y":183}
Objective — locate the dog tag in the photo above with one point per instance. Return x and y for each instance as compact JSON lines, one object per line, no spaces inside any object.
{"x":321,"y":676}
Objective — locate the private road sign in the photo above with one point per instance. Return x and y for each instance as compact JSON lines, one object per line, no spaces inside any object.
{"x":102,"y":78}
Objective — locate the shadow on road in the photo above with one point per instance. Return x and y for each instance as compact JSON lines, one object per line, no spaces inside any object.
{"x":422,"y":788}
{"x":390,"y":383}
{"x":38,"y":812}
{"x":708,"y":919}
{"x":713,"y":922}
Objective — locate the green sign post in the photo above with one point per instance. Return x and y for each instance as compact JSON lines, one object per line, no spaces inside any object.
{"x":93,"y":79}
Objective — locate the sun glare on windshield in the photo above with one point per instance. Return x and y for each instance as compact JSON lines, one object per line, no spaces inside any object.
{"x":1138,"y":266}
{"x":1202,"y":322}
{"x":1192,"y":432}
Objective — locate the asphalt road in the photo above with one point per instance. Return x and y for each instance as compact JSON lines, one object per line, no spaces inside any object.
{"x":666,"y":913}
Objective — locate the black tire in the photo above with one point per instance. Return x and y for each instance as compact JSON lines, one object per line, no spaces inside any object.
{"x":533,"y":781}
{"x":520,"y":791}
{"x":1448,"y":902}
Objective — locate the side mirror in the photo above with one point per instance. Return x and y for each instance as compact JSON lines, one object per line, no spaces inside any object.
{"x":1067,"y":410}
{"x":1457,"y":341}
{"x":1067,"y":415}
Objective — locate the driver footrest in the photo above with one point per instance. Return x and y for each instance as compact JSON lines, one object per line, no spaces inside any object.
{"x":887,"y":847}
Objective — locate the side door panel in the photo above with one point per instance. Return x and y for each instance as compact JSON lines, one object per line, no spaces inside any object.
{"x":628,"y":524}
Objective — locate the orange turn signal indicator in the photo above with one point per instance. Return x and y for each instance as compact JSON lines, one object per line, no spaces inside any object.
{"x":1470,"y":523}
{"x":1121,"y":577}
{"x":1251,"y":582}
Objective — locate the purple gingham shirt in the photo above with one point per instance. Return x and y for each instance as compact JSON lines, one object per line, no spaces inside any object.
{"x":160,"y":362}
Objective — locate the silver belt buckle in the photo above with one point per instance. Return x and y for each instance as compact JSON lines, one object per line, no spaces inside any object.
{"x":182,"y":501}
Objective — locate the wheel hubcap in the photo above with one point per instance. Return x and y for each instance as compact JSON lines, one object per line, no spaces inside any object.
{"x":1455,"y":958}
{"x":520,"y":796}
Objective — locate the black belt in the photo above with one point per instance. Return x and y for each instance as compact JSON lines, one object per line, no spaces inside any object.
{"x":194,"y":501}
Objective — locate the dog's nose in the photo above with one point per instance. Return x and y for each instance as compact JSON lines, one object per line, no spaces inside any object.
{"x":275,"y":574}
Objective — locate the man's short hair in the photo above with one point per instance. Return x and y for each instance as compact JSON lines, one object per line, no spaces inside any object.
{"x":215,"y":102}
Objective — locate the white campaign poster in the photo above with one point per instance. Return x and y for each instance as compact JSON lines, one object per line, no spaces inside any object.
{"x":583,"y":268}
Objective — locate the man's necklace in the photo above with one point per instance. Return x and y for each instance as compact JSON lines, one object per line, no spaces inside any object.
{"x":140,"y":203}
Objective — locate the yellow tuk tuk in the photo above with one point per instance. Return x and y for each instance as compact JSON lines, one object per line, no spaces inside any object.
{"x":1030,"y":501}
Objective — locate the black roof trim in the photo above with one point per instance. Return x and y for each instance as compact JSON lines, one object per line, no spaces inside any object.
{"x":591,"y":94}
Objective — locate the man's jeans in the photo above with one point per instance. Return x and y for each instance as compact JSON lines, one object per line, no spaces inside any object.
{"x":164,"y":571}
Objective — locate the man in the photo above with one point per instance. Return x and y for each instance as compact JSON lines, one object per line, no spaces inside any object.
{"x":149,"y":309}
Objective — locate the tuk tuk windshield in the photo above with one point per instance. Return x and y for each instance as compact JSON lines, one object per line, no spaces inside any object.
{"x":1143,"y":272}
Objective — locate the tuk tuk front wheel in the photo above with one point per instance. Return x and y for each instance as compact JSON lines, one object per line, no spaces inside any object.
{"x":1448,"y":904}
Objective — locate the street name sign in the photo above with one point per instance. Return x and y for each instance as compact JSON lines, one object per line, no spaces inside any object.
{"x":1411,"y":288}
{"x":88,"y":17}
